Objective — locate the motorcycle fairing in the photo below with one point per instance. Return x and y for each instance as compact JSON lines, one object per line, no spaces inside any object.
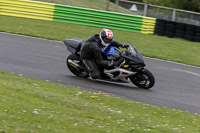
{"x":121,"y":73}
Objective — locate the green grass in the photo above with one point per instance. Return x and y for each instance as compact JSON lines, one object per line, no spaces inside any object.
{"x":177,"y":50}
{"x":31,"y":105}
{"x":95,"y":4}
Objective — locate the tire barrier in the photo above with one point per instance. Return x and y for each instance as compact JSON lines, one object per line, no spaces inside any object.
{"x":77,"y":15}
{"x":177,"y":30}
{"x":27,"y":9}
{"x":180,"y":30}
{"x":160,"y":27}
{"x":97,"y":18}
{"x":148,"y":25}
{"x":104,"y":19}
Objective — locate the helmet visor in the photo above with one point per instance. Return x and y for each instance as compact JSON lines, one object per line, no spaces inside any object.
{"x":107,"y":40}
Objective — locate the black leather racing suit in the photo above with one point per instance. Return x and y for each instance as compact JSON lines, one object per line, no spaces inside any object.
{"x":91,"y":55}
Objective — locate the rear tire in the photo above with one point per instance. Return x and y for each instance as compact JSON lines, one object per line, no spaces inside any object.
{"x":143,"y":79}
{"x":76,"y":71}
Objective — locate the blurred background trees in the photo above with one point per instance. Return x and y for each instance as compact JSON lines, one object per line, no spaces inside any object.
{"x":191,"y":5}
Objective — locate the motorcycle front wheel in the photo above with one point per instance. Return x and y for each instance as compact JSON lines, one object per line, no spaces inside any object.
{"x":143,"y":79}
{"x":76,"y":71}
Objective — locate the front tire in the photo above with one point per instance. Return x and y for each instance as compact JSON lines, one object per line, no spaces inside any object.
{"x":76,"y":71}
{"x":143,"y":79}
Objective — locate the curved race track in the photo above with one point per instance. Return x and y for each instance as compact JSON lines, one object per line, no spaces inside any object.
{"x":177,"y":86}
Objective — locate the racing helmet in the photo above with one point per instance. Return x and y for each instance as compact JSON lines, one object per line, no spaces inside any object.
{"x":106,"y":37}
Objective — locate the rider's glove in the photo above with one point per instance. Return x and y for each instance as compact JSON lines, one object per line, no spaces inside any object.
{"x":125,"y":46}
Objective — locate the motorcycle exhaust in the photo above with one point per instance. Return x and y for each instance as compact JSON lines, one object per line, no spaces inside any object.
{"x":73,"y":64}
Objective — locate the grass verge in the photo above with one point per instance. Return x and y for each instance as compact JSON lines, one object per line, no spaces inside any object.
{"x":31,"y":105}
{"x":177,"y":50}
{"x":95,"y":4}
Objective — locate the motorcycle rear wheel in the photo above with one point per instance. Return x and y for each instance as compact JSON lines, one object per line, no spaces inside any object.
{"x":76,"y":71}
{"x":143,"y":79}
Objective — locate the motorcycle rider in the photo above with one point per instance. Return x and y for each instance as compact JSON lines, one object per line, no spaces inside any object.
{"x":91,"y":52}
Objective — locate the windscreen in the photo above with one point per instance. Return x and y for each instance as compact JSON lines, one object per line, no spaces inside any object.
{"x":131,"y":51}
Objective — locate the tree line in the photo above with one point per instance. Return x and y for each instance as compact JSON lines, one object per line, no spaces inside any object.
{"x":191,"y":5}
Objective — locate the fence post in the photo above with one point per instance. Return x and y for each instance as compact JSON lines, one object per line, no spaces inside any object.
{"x":174,"y":15}
{"x":116,"y":5}
{"x":145,"y":9}
{"x":107,"y":6}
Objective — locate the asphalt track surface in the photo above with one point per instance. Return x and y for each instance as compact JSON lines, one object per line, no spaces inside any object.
{"x":177,"y":85}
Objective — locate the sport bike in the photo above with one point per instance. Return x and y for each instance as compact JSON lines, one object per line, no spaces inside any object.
{"x":132,"y":67}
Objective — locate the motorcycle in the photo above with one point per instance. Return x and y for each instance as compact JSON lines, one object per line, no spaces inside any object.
{"x":132,"y":68}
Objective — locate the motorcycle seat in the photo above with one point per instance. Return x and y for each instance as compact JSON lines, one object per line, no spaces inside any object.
{"x":74,"y":45}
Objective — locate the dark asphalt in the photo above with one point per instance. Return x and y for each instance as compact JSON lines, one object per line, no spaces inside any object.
{"x":177,"y":86}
